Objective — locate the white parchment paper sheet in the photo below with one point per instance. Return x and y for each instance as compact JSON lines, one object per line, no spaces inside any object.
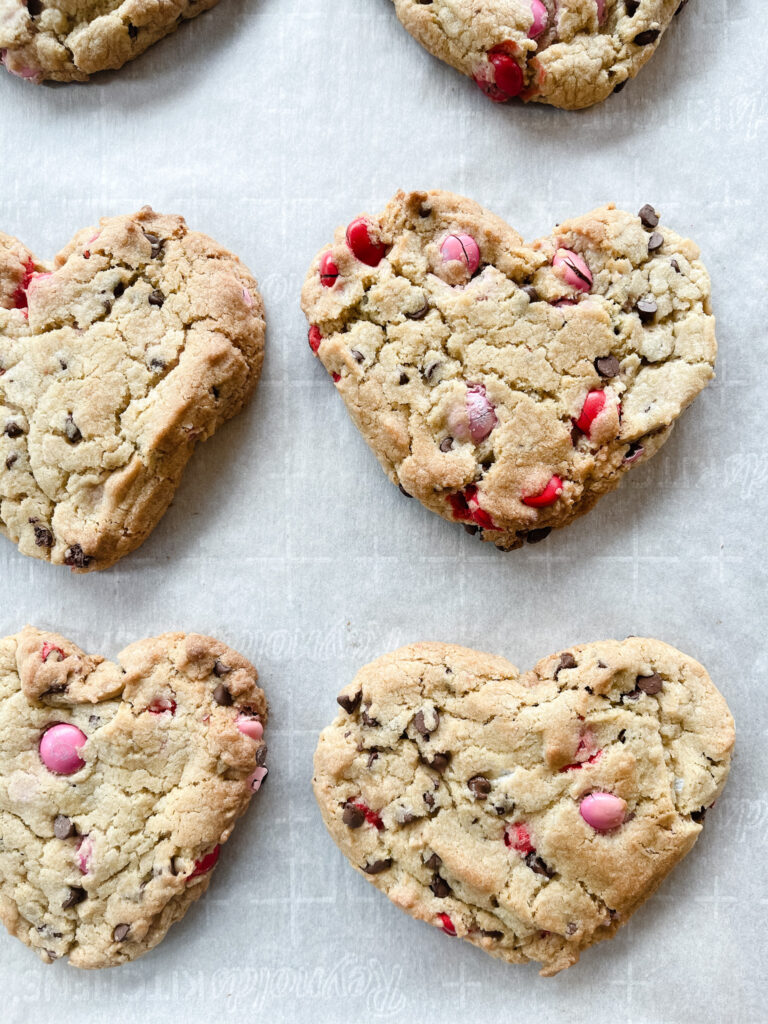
{"x":267,"y":123}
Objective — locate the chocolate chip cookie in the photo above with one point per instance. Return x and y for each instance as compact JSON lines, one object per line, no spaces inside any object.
{"x":530,"y":814}
{"x":69,"y":40}
{"x":508,"y":386}
{"x":570,"y":53}
{"x":138,"y":341}
{"x":118,"y":785}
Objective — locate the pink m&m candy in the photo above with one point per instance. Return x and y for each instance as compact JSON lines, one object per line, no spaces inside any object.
{"x":548,"y":496}
{"x":594,"y":404}
{"x":256,"y":778}
{"x":507,"y":73}
{"x":250,"y":727}
{"x":603,"y":811}
{"x":462,"y":248}
{"x":600,"y":4}
{"x":315,"y":337}
{"x":540,"y":19}
{"x":475,"y":418}
{"x":329,"y":271}
{"x":60,"y":749}
{"x":362,"y":245}
{"x":572,"y":269}
{"x":205,"y":864}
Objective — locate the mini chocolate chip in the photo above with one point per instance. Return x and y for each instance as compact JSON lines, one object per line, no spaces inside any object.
{"x":608,"y":366}
{"x":349,"y":704}
{"x":373,"y":756}
{"x":440,"y":887}
{"x":647,"y":309}
{"x":425,"y":211}
{"x":440,"y":762}
{"x":531,"y":292}
{"x":43,"y":536}
{"x":76,"y":557}
{"x":222,"y":696}
{"x":420,"y":313}
{"x":622,"y":737}
{"x":132,"y":31}
{"x":420,"y":724}
{"x":220,"y":669}
{"x":404,"y":378}
{"x":215,"y":392}
{"x":359,"y":357}
{"x":76,"y":895}
{"x":34,"y":7}
{"x":156,"y":364}
{"x":571,"y":928}
{"x":698,"y":816}
{"x":650,"y":684}
{"x":378,"y":866}
{"x":155,"y":242}
{"x":479,"y":786}
{"x":63,"y":827}
{"x":537,"y":865}
{"x":72,"y":430}
{"x":118,"y":290}
{"x":648,"y":216}
{"x":353,"y":817}
{"x":261,"y":755}
{"x":13,"y":429}
{"x":632,"y":6}
{"x":120,"y":932}
{"x":496,"y":936}
{"x":156,"y":298}
{"x":12,"y":458}
{"x":471,"y":528}
{"x":429,"y":800}
{"x":446,"y":444}
{"x":536,"y":536}
{"x":656,"y":241}
{"x":567,"y":660}
{"x":680,"y":8}
{"x":620,"y":86}
{"x":403,"y":491}
{"x":371,"y":723}
{"x":433,"y":863}
{"x":675,"y":266}
{"x":644,"y":39}
{"x":406,"y":817}
{"x":430,"y":370}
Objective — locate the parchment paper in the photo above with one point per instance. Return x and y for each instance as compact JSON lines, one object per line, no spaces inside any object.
{"x":267,"y":123}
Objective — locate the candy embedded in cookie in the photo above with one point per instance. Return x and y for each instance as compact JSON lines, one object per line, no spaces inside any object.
{"x":529,"y":814}
{"x":119,"y":785}
{"x":569,"y":53}
{"x":509,"y":386}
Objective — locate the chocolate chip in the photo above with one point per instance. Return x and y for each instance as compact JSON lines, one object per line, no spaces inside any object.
{"x":373,"y":756}
{"x":43,"y":536}
{"x":371,"y":723}
{"x":479,"y":786}
{"x":404,"y":378}
{"x":76,"y":895}
{"x":650,"y":684}
{"x":680,"y":8}
{"x":349,"y":704}
{"x":620,"y":86}
{"x":440,"y":887}
{"x":648,"y":216}
{"x":13,"y":429}
{"x":406,"y":817}
{"x":222,"y":696}
{"x":403,"y":491}
{"x":430,"y":370}
{"x":155,"y":242}
{"x":439,"y":763}
{"x":220,"y":669}
{"x":608,"y":366}
{"x":567,"y":660}
{"x":12,"y":458}
{"x":132,"y":30}
{"x":655,"y":241}
{"x":156,"y":298}
{"x":425,"y":211}
{"x":76,"y":557}
{"x":537,"y":865}
{"x":359,"y":357}
{"x":622,"y":737}
{"x":446,"y":444}
{"x":675,"y":266}
{"x":353,"y":817}
{"x":645,"y":38}
{"x":632,"y":6}
{"x":433,"y":863}
{"x":536,"y":536}
{"x":698,"y":816}
{"x":531,"y":292}
{"x":216,"y":393}
{"x":377,"y":866}
{"x":261,"y":755}
{"x":647,"y":309}
{"x":571,"y":928}
{"x":471,"y":528}
{"x":429,"y":800}
{"x":420,"y":313}
{"x":420,"y":723}
{"x":34,"y":7}
{"x":496,"y":936}
{"x":72,"y":430}
{"x":120,"y":932}
{"x":118,"y":289}
{"x":63,"y":827}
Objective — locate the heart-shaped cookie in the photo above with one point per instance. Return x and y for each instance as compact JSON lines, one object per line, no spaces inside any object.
{"x":508,"y":386}
{"x":529,"y":814}
{"x":118,"y":783}
{"x":138,"y":341}
{"x":68,"y":42}
{"x":570,"y":53}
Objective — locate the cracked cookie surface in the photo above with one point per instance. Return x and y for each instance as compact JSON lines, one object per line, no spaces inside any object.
{"x":99,"y":857}
{"x":69,"y":40}
{"x":138,"y":341}
{"x":569,"y":53}
{"x":530,"y":814}
{"x":508,"y":386}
